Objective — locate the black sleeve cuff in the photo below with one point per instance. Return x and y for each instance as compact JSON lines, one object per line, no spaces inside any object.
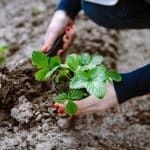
{"x":148,"y":1}
{"x":71,"y":7}
{"x":136,"y":83}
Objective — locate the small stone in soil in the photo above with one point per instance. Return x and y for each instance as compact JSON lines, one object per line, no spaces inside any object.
{"x":38,"y":118}
{"x":64,"y":123}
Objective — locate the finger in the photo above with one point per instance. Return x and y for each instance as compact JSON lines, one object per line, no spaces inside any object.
{"x":86,"y":110}
{"x":60,"y":52}
{"x":71,"y":25}
{"x":84,"y":104}
{"x":49,"y":41}
{"x":68,"y":29}
{"x":61,"y":111}
{"x":59,"y":105}
{"x":87,"y":102}
{"x":90,"y":110}
{"x":56,"y":106}
{"x":67,"y":39}
{"x":45,"y":48}
{"x":100,"y":106}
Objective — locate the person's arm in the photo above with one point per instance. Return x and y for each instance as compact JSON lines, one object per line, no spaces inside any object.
{"x":71,"y":7}
{"x":135,"y":83}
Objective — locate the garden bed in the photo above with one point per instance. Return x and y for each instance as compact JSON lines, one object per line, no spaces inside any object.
{"x":27,"y":118}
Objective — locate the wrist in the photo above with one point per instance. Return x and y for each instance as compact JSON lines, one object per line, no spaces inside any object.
{"x":58,"y":22}
{"x":110,"y":99}
{"x":62,"y":15}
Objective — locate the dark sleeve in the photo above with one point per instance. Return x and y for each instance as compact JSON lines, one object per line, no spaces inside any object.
{"x":71,"y":7}
{"x":135,"y":83}
{"x":148,"y":1}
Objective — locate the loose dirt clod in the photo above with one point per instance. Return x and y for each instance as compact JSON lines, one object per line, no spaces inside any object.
{"x":23,"y":112}
{"x":63,"y":123}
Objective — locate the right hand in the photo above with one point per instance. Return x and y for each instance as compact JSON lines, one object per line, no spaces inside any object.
{"x":93,"y":104}
{"x":58,"y":26}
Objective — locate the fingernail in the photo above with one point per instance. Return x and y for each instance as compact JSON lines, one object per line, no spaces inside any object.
{"x":61,"y":111}
{"x":44,"y":48}
{"x":60,"y":52}
{"x":68,"y":29}
{"x":67,"y":37}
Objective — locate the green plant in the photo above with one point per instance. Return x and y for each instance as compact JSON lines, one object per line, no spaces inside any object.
{"x":86,"y":75}
{"x":3,"y":49}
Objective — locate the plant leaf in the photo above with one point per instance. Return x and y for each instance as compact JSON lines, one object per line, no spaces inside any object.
{"x":2,"y":59}
{"x":96,"y":83}
{"x":85,"y":59}
{"x":76,"y":83}
{"x":71,"y":108}
{"x":75,"y":94}
{"x":93,"y":80}
{"x":73,"y":62}
{"x":54,"y":61}
{"x":40,"y":75}
{"x":39,"y":59}
{"x":96,"y":88}
{"x":114,"y":76}
{"x":4,"y":48}
{"x":50,"y":72}
{"x":83,"y":62}
{"x":61,"y":98}
{"x":95,"y":60}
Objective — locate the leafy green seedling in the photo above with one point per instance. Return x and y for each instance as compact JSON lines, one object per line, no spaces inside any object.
{"x":3,"y":50}
{"x":47,"y":66}
{"x":84,"y":73}
{"x":68,"y":100}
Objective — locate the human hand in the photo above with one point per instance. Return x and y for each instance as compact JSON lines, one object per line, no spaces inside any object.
{"x":58,"y":26}
{"x":92,"y":104}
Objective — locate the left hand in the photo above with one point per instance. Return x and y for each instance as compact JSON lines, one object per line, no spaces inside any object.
{"x":58,"y":25}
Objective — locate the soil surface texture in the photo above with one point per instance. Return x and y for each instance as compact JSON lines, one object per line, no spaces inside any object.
{"x":28,"y":120}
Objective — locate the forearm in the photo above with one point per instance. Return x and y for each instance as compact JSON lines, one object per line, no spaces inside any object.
{"x":135,"y":83}
{"x":71,"y":7}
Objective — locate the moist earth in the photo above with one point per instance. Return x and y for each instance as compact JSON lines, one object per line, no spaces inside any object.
{"x":28,"y":120}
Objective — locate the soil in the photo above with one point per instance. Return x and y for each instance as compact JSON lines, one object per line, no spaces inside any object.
{"x":27,"y":119}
